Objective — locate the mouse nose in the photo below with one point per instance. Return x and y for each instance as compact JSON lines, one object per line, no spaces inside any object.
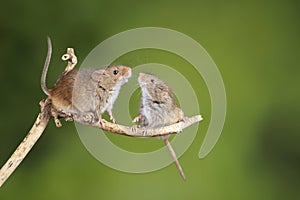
{"x":141,"y":75}
{"x":127,"y":71}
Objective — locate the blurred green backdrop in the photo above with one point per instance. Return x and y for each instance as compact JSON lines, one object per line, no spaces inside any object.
{"x":256,"y":46}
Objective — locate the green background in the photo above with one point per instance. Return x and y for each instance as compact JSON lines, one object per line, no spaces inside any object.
{"x":256,"y":47}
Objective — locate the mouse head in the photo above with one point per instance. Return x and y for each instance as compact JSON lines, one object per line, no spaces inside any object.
{"x":112,"y":75}
{"x":155,"y":89}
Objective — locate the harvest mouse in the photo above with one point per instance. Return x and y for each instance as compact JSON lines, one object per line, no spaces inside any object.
{"x":158,"y":108}
{"x":86,"y":93}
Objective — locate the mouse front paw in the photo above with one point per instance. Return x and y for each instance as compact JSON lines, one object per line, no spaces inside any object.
{"x":111,"y":117}
{"x":102,"y":122}
{"x":136,"y":119}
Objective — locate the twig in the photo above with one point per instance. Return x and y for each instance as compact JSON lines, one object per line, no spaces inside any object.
{"x":71,"y":58}
{"x":140,"y":132}
{"x":47,"y":112}
{"x":28,"y":142}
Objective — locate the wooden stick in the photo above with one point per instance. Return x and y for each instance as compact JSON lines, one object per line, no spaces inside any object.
{"x":28,"y":142}
{"x":44,"y":117}
{"x":140,"y":132}
{"x":71,"y":58}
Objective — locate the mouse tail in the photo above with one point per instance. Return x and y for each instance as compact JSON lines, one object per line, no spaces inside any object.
{"x":173,"y":154}
{"x":46,"y":66}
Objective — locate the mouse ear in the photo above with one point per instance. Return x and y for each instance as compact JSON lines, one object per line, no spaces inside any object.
{"x":98,"y":75}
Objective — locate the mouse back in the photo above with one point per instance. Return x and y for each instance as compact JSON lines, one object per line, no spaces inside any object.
{"x":61,"y":93}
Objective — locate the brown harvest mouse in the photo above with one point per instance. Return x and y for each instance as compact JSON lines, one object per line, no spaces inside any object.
{"x":86,"y":93}
{"x":158,"y":108}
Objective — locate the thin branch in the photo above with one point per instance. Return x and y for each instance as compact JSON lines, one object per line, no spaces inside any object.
{"x":28,"y":142}
{"x":71,"y":58}
{"x":141,"y":132}
{"x":47,"y":112}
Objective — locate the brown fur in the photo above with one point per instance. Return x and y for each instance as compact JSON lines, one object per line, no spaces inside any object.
{"x":158,"y":108}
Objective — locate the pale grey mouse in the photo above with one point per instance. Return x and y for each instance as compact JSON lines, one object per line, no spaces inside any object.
{"x":158,"y":108}
{"x":86,"y":93}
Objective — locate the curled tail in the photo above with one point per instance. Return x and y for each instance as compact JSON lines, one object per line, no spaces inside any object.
{"x":173,"y":154}
{"x":45,"y":69}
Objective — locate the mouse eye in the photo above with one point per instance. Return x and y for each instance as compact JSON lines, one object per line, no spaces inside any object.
{"x":152,"y":80}
{"x":116,"y":72}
